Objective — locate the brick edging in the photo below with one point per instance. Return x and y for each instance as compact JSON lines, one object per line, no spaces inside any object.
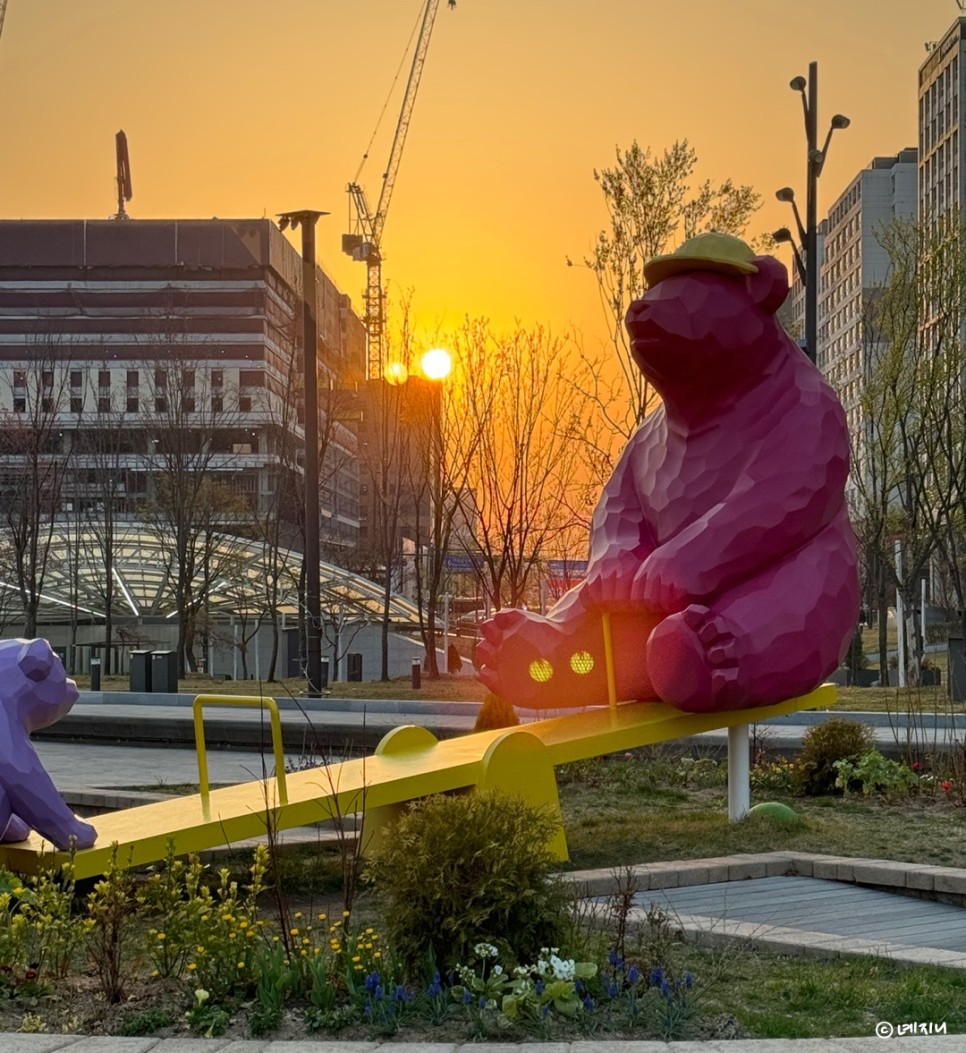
{"x":882,"y":873}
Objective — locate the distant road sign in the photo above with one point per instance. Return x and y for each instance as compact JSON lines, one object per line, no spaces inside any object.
{"x":567,"y":568}
{"x":460,"y":562}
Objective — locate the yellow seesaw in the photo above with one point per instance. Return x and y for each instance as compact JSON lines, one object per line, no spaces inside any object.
{"x":408,"y":763}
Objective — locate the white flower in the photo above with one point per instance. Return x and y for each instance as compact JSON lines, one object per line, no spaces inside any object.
{"x":497,"y":970}
{"x":485,"y":950}
{"x":562,"y":970}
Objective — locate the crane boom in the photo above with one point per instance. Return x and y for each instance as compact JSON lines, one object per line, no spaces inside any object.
{"x":365,"y":243}
{"x":3,"y":11}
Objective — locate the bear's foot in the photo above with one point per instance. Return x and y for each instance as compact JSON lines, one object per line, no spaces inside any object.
{"x":693,"y":661}
{"x":15,"y":830}
{"x":536,"y":663}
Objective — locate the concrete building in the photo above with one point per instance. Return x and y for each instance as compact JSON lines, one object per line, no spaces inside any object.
{"x":161,"y":338}
{"x":940,"y":122}
{"x":854,"y":264}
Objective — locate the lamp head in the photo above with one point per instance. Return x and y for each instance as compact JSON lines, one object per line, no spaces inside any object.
{"x":798,"y":83}
{"x":840,"y":121}
{"x":782,"y":234}
{"x":785,"y":194}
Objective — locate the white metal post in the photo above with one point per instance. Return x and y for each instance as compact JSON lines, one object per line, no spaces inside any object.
{"x":739,"y":772}
{"x":900,"y":619}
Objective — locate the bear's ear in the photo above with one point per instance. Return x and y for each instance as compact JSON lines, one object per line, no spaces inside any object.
{"x":769,"y":287}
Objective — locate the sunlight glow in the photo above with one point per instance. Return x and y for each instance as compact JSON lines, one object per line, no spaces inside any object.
{"x":437,"y":363}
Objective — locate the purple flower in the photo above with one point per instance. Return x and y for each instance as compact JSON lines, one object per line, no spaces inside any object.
{"x":589,"y":1004}
{"x":657,"y":976}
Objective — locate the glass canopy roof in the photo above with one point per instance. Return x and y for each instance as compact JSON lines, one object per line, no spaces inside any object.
{"x":144,"y":577}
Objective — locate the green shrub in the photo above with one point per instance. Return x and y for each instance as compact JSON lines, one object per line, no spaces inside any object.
{"x":873,"y":773}
{"x":457,"y":871}
{"x":823,"y":745}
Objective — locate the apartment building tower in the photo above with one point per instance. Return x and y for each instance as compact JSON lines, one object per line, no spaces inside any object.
{"x":165,"y":333}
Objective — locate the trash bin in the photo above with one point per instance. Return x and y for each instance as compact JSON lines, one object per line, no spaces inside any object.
{"x":164,"y":672}
{"x":95,"y":674}
{"x":354,"y":667}
{"x":140,"y":671}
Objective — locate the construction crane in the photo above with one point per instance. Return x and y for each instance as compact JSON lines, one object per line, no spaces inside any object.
{"x":365,"y":241}
{"x":3,"y":11}
{"x":124,"y":191}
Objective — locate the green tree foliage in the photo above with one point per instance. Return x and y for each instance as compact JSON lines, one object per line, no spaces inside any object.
{"x":653,"y":204}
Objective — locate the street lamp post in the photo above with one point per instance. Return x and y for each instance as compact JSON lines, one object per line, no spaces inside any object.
{"x":808,"y":231}
{"x":436,"y":365}
{"x":306,"y":219}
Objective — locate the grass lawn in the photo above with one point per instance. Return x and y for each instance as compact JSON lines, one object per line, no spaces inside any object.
{"x":652,"y":807}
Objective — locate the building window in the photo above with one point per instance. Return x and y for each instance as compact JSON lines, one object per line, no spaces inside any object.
{"x":132,"y":378}
{"x":217,"y":378}
{"x":161,"y":379}
{"x":251,"y":378}
{"x":104,"y":404}
{"x":76,"y":378}
{"x":189,"y":404}
{"x":245,"y":403}
{"x":76,"y":404}
{"x":47,"y":404}
{"x":103,"y":378}
{"x":161,"y":404}
{"x":19,"y":404}
{"x":188,"y":380}
{"x":217,"y":403}
{"x":19,"y":378}
{"x":47,"y":378}
{"x":132,"y":404}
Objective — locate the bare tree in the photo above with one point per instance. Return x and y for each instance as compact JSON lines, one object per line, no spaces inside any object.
{"x":36,"y":451}
{"x":516,"y":390}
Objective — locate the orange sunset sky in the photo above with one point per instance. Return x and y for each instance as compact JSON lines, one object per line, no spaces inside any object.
{"x":238,"y":108}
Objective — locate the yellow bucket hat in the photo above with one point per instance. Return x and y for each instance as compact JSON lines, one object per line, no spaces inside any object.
{"x":722,"y":253}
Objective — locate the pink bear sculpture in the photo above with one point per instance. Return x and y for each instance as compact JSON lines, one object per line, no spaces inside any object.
{"x":721,"y":545}
{"x":35,"y":694}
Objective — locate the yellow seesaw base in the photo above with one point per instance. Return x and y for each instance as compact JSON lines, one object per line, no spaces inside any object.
{"x":408,"y":763}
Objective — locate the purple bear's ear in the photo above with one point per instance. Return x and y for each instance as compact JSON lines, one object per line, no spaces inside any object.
{"x":36,"y":660}
{"x":769,"y":286}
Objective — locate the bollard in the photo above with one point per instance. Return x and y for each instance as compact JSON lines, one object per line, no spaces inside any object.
{"x":417,"y":674}
{"x":95,"y":674}
{"x":325,"y":674}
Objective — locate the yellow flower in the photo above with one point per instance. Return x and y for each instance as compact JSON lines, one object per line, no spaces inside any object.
{"x":346,"y":913}
{"x":241,"y":965}
{"x":243,"y":924}
{"x":358,"y":968}
{"x":303,"y":954}
{"x":369,"y":932}
{"x":200,"y":949}
{"x":161,"y":936}
{"x":293,"y":932}
{"x":356,"y":958}
{"x":192,"y":967}
{"x":322,"y":917}
{"x":378,"y":954}
{"x":154,"y":972}
{"x":231,"y":935}
{"x":298,"y":914}
{"x":275,"y":939}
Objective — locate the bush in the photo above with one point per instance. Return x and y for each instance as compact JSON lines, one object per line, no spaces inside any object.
{"x":457,"y":871}
{"x":823,"y":745}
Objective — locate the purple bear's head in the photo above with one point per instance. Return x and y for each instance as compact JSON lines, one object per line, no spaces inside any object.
{"x":38,"y":686}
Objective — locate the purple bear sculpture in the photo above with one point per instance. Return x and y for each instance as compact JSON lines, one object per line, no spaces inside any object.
{"x":34,"y":693}
{"x":721,"y":547}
